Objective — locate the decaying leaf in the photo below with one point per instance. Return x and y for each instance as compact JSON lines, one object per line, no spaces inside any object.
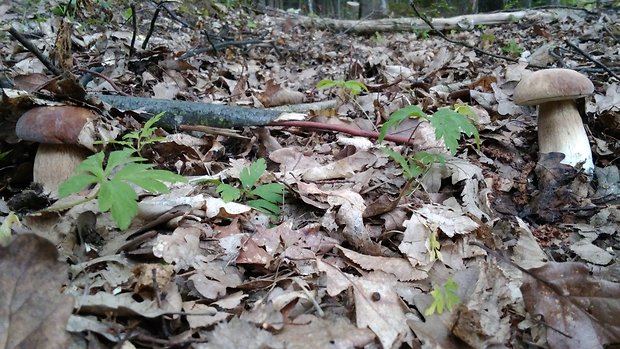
{"x":33,"y":310}
{"x":579,"y":309}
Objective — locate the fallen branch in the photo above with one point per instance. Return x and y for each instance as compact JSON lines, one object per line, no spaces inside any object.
{"x":177,"y":113}
{"x":409,"y":24}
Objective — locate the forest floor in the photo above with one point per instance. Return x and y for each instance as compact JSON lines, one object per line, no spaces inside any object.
{"x":305,"y":231}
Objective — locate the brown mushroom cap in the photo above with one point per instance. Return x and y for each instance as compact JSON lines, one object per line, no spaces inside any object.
{"x":53,"y":125}
{"x":552,"y":85}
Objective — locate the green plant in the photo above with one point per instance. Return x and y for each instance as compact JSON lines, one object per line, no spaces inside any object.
{"x":486,"y":37}
{"x":512,"y":48}
{"x":423,"y":33}
{"x":449,"y":123}
{"x":417,"y":164}
{"x":136,"y":140}
{"x":115,"y":193}
{"x":127,"y":14}
{"x":443,"y":297}
{"x":353,"y":87}
{"x":68,"y":9}
{"x":265,"y":197}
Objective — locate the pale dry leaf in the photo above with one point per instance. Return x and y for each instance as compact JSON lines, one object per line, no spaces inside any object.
{"x":449,"y":221}
{"x":378,"y":307}
{"x":180,"y":248}
{"x":336,"y":280}
{"x":336,"y":333}
{"x":527,"y":252}
{"x":399,"y":267}
{"x":216,"y":207}
{"x":238,"y":334}
{"x":122,"y":304}
{"x":591,"y":253}
{"x":481,"y":319}
{"x":415,"y":241}
{"x":205,"y":315}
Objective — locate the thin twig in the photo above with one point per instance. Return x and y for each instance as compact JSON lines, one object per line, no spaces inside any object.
{"x":343,"y":129}
{"x":592,"y":59}
{"x":32,"y":48}
{"x":134,"y":24}
{"x":151,"y":28}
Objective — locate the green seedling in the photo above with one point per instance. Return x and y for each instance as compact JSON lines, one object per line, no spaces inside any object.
{"x":448,"y":123}
{"x":352,"y":87}
{"x":68,"y":9}
{"x":265,"y":197}
{"x":443,"y":297}
{"x":489,"y":38}
{"x":114,"y":192}
{"x":512,"y":48}
{"x":423,"y":33}
{"x":136,"y":140}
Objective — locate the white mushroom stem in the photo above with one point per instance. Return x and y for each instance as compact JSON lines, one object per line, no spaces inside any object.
{"x":560,"y":130}
{"x":55,"y":163}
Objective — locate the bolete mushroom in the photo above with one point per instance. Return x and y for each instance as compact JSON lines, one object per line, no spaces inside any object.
{"x":559,"y":124}
{"x":64,"y":134}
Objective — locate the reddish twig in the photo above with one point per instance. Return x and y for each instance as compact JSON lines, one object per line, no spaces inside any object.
{"x":343,"y":129}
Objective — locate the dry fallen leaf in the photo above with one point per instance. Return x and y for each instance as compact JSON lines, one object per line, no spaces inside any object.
{"x":581,"y":310}
{"x":33,"y":310}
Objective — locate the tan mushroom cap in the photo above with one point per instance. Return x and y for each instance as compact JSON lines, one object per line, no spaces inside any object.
{"x":53,"y":125}
{"x":552,"y":85}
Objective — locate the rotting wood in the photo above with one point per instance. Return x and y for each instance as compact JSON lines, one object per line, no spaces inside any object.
{"x":195,"y":113}
{"x":411,"y":24}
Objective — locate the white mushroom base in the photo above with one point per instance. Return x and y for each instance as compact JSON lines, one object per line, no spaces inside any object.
{"x":55,"y":163}
{"x":560,"y":130}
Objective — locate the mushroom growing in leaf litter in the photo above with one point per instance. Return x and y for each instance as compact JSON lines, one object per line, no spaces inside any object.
{"x":65,"y":134}
{"x":560,"y":128}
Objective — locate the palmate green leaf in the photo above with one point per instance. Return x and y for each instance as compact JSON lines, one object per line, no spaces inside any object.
{"x":399,"y":116}
{"x":427,"y":159}
{"x":144,"y":176}
{"x":227,"y":192}
{"x":75,"y":184}
{"x":120,"y":157}
{"x":326,"y":83}
{"x":449,"y":125}
{"x":250,"y":175}
{"x":265,"y":206}
{"x":437,"y":305}
{"x":272,"y":192}
{"x":443,"y":297}
{"x":148,"y":129}
{"x":356,"y":87}
{"x":120,"y":199}
{"x":92,"y":164}
{"x":452,"y":297}
{"x":404,"y":164}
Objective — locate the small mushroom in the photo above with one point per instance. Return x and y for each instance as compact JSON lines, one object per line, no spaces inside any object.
{"x":559,"y":124}
{"x":65,"y":134}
